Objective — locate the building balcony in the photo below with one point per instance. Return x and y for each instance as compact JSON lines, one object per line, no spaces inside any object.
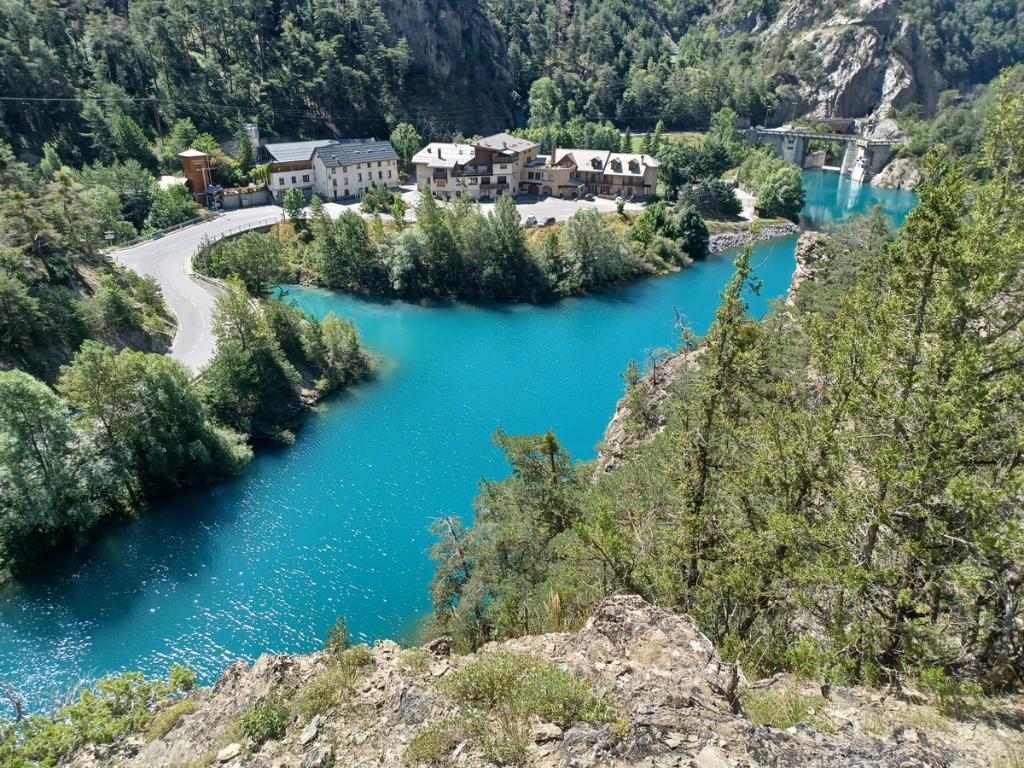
{"x":473,"y":170}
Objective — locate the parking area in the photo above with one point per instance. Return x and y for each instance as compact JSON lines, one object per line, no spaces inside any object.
{"x":539,"y":208}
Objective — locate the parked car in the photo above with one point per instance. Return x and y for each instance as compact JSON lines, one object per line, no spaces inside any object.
{"x":417,"y":202}
{"x":530,"y":221}
{"x":619,"y":200}
{"x":589,"y":196}
{"x":546,"y":221}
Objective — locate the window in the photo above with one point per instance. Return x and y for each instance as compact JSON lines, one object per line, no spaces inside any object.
{"x":335,"y":183}
{"x":378,"y":163}
{"x":389,"y":174}
{"x":346,"y":191}
{"x":346,"y":181}
{"x":485,"y":180}
{"x":380,"y":174}
{"x":360,"y":175}
{"x":293,"y":179}
{"x":280,"y":182}
{"x":305,"y":178}
{"x":503,"y":179}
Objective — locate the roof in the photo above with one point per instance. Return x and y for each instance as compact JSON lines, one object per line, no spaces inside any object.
{"x":585,"y":159}
{"x":615,"y":163}
{"x":619,"y":164}
{"x":191,"y":153}
{"x":505,"y":141}
{"x":352,"y":152}
{"x":295,"y":151}
{"x":442,"y":155}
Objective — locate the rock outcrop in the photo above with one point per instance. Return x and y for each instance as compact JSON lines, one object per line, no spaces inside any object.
{"x":901,"y":173}
{"x":679,"y":704}
{"x":811,"y":254}
{"x":458,"y":56}
{"x":639,"y":416}
{"x":869,"y":60}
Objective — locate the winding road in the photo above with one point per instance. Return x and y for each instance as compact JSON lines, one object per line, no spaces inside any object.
{"x":168,"y":259}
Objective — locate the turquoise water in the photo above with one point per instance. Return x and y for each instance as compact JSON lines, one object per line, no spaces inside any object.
{"x":337,"y":523}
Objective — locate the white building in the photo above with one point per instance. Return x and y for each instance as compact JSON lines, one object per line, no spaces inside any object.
{"x":350,"y":168}
{"x":331,"y":168}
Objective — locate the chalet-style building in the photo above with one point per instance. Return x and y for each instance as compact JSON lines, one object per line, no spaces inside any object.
{"x":579,"y":171}
{"x":482,"y":169}
{"x":502,"y":163}
{"x":334,"y":169}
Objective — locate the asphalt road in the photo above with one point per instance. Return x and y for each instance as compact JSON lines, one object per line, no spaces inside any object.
{"x":168,"y":259}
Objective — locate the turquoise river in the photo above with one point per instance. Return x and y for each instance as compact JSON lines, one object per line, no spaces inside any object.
{"x":338,"y":523}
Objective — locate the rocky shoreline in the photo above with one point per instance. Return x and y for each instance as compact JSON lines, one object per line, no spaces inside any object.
{"x":729,"y":240}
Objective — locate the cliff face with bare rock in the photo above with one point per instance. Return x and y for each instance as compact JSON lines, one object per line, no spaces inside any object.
{"x":867,"y":59}
{"x":901,"y":173}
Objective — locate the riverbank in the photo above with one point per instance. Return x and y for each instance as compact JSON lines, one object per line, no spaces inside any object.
{"x":338,"y":523}
{"x":726,"y":241}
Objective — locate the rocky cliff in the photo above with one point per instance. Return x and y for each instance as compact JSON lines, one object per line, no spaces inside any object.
{"x":672,"y":698}
{"x":459,"y":58}
{"x":867,"y":60}
{"x":901,"y":173}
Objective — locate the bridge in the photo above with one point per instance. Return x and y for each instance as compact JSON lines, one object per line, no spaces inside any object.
{"x":862,"y":157}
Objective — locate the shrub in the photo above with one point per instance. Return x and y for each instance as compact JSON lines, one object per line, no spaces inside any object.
{"x":414,"y":661}
{"x":783,"y":705}
{"x":165,"y":719}
{"x":265,"y":722}
{"x":338,"y":637}
{"x":507,"y":688}
{"x":434,"y":742}
{"x":327,"y":688}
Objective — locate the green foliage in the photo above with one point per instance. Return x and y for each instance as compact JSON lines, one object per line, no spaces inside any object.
{"x":713,"y":198}
{"x":144,"y":410}
{"x":434,"y":743}
{"x":167,"y":718}
{"x":500,"y":691}
{"x":338,"y":637}
{"x":784,"y":706}
{"x":414,"y":661}
{"x":294,"y":204}
{"x":380,"y":199}
{"x":265,"y":722}
{"x":171,"y":206}
{"x":345,"y":667}
{"x":101,"y":714}
{"x":264,"y":353}
{"x":256,"y":259}
{"x":54,"y":482}
{"x":777,"y":184}
{"x":834,"y":492}
{"x":407,"y":142}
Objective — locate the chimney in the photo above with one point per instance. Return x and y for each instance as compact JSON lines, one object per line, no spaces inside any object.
{"x":438,"y":151}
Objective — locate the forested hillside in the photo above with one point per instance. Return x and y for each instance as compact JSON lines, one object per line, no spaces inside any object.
{"x":837,"y":487}
{"x":71,"y":72}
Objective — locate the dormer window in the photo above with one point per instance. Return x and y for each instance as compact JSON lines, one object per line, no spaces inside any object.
{"x":634,"y":166}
